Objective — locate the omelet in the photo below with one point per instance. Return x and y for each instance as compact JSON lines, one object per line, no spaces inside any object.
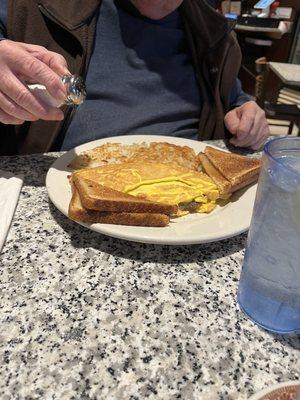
{"x":192,"y":191}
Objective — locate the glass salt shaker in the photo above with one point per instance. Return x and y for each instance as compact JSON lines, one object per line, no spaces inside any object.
{"x":76,"y":91}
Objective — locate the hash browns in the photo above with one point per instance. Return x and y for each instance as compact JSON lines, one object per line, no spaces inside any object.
{"x":115,"y":153}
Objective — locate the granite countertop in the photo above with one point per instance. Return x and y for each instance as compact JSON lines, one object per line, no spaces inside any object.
{"x":86,"y":316}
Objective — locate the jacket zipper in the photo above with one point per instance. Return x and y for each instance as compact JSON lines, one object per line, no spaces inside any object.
{"x":49,"y":15}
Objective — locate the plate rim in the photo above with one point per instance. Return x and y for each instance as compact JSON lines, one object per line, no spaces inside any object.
{"x":272,"y":388}
{"x":109,"y":229}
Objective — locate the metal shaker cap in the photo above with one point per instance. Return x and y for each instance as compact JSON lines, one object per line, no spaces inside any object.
{"x":75,"y":88}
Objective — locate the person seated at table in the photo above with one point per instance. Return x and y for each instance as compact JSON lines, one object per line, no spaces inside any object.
{"x":166,"y":67}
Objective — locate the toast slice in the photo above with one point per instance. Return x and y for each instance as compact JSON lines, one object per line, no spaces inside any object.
{"x":101,"y":198}
{"x":239,"y":170}
{"x":223,"y":184}
{"x":78,"y":213}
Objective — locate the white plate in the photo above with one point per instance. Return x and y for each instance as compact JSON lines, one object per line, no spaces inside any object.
{"x":279,"y":391}
{"x":224,"y":222}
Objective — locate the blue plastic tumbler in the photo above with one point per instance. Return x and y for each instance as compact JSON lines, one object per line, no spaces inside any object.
{"x":269,"y":287}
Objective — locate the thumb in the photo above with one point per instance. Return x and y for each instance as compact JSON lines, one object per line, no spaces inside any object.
{"x":232,"y":121}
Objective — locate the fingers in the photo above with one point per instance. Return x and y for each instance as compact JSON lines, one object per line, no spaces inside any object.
{"x":14,"y":110}
{"x":33,"y":68}
{"x":54,"y":60}
{"x":20,"y":94}
{"x":232,"y":121}
{"x":259,"y":145}
{"x":262,"y":137}
{"x":247,"y":124}
{"x":248,"y":138}
{"x":253,"y":128}
{"x":8,"y":119}
{"x":20,"y":62}
{"x":259,"y":132}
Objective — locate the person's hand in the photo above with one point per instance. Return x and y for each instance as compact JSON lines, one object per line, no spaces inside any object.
{"x":248,"y":125}
{"x":20,"y":62}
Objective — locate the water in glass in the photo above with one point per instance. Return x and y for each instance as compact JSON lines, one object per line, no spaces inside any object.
{"x":269,"y":288}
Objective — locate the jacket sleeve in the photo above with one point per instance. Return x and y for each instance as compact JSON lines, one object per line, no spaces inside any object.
{"x":238,"y":96}
{"x":3,"y":18}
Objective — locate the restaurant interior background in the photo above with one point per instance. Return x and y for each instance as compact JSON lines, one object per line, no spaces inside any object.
{"x":270,"y":42}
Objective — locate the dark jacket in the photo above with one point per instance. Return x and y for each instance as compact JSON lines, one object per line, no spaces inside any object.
{"x":68,"y":27}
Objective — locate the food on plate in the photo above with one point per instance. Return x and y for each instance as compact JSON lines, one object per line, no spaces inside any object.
{"x":223,"y":184}
{"x":96,"y":194}
{"x":79,"y":213}
{"x":148,"y":184}
{"x":114,"y":153}
{"x":229,"y":171}
{"x":158,"y":188}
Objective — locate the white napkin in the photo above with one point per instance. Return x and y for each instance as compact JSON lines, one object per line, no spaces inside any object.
{"x":10,"y":187}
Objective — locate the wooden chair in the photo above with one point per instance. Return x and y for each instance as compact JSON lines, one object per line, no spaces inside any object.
{"x":278,"y":78}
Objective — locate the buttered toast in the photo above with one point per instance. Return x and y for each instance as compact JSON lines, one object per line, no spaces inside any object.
{"x":228,"y":170}
{"x":78,"y":213}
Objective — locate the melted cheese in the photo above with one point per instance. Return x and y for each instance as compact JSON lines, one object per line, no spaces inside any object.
{"x":192,"y":191}
{"x":181,"y":190}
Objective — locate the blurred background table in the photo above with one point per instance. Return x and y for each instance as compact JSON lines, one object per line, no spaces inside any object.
{"x":85,"y":316}
{"x":282,"y":87}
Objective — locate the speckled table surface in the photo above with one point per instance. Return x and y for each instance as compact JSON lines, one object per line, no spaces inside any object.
{"x":85,"y":316}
